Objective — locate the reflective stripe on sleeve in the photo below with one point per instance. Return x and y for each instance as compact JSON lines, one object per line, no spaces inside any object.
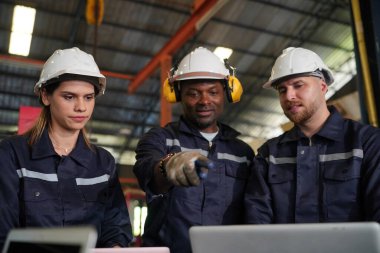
{"x":175,"y":142}
{"x":172,"y":142}
{"x":200,"y":151}
{"x":225,"y":156}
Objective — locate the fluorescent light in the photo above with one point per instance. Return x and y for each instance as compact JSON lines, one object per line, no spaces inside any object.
{"x":23,"y":19}
{"x":20,"y":44}
{"x":22,"y":28}
{"x":223,"y":52}
{"x":139,"y":217}
{"x":137,"y":221}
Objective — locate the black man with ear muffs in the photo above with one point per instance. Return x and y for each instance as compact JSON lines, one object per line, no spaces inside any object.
{"x":194,"y":171}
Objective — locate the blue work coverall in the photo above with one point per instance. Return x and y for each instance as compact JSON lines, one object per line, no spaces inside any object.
{"x":38,"y":188}
{"x":334,"y":176}
{"x":217,"y":200}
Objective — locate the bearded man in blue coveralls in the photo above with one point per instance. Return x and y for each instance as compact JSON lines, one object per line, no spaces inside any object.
{"x":178,"y":193}
{"x":326,"y":168}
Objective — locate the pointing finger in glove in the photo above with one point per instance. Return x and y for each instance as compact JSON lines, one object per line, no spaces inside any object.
{"x":181,"y":170}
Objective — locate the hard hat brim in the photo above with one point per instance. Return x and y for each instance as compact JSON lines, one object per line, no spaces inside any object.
{"x":198,"y":75}
{"x":326,"y":76}
{"x":267,"y":85}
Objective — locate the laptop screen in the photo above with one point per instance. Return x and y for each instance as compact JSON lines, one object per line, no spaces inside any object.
{"x":133,"y":250}
{"x":352,"y":237}
{"x":17,"y":247}
{"x":50,"y":240}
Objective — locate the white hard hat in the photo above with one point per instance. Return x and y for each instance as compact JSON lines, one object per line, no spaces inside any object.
{"x":200,"y":64}
{"x":297,"y":60}
{"x":70,"y":61}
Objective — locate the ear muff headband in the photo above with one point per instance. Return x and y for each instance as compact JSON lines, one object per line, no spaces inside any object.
{"x":170,"y":88}
{"x":233,"y":87}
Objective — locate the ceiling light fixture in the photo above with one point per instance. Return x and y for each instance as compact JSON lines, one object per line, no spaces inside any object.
{"x":223,"y":52}
{"x":22,"y":28}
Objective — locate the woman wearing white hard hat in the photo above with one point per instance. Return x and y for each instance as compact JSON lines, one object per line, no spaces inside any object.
{"x":52,"y":176}
{"x":326,"y":168}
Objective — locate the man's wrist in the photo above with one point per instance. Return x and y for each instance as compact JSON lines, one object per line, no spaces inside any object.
{"x":162,"y":163}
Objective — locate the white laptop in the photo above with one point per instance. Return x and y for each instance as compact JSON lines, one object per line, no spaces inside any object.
{"x":50,"y":240}
{"x":357,"y":237}
{"x":132,"y":250}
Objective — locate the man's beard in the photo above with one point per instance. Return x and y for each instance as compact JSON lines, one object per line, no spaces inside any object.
{"x":203,"y":124}
{"x":302,"y":116}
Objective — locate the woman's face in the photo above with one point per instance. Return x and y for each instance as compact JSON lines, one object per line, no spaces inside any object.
{"x":71,"y":105}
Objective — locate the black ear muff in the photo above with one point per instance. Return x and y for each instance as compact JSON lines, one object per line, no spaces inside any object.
{"x":171,"y":89}
{"x":234,"y":89}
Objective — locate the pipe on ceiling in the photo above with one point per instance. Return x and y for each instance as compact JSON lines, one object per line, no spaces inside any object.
{"x":200,"y":16}
{"x":39,"y":64}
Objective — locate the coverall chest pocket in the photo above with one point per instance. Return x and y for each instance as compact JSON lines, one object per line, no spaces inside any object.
{"x":278,"y":174}
{"x":342,"y":188}
{"x":94,"y":193}
{"x":236,"y":178}
{"x":41,"y":201}
{"x":281,"y":179}
{"x":95,"y":197}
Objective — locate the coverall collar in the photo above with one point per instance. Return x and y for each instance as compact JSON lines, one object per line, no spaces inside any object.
{"x":225,"y":132}
{"x":331,"y":129}
{"x":44,"y":148}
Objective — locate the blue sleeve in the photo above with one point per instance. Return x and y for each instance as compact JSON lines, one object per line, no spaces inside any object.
{"x":150,"y":149}
{"x":9,"y":189}
{"x":371,"y":177}
{"x":257,"y":198}
{"x":116,"y":226}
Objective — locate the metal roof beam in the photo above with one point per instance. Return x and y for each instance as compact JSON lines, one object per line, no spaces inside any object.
{"x":299,"y":11}
{"x":182,"y":35}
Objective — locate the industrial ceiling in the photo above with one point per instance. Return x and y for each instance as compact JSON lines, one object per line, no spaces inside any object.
{"x":136,"y":34}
